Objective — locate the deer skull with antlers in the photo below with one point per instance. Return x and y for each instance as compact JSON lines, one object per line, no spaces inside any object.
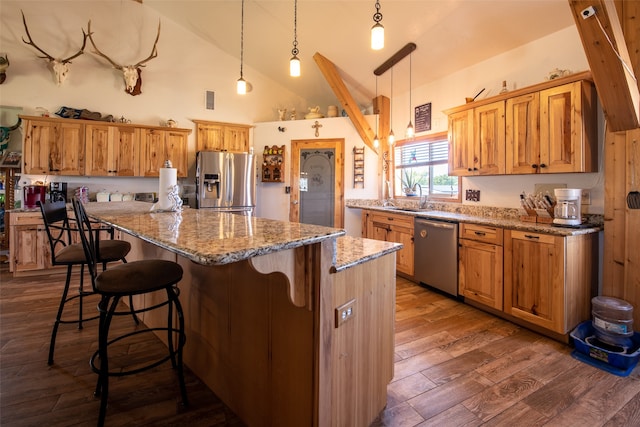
{"x":131,"y":73}
{"x":60,"y":67}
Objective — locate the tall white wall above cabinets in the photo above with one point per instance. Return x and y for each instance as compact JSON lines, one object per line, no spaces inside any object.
{"x":273,"y":201}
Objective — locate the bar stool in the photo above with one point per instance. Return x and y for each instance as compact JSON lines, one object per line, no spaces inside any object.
{"x":60,"y":232}
{"x":133,"y":278}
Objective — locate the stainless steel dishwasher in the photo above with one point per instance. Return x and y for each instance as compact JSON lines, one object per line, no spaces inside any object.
{"x":436,"y":254}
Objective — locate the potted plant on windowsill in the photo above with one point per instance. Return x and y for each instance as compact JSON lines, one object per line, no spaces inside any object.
{"x":409,"y":180}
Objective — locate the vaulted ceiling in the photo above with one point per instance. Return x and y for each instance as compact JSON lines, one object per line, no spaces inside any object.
{"x":449,"y":34}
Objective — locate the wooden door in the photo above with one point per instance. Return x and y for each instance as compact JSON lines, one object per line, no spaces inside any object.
{"x":296,"y":148}
{"x":236,"y":138}
{"x":66,"y":152}
{"x":39,"y":136}
{"x":30,"y":248}
{"x":176,"y":150}
{"x":480,"y":272}
{"x":404,"y":257}
{"x":534,"y":278}
{"x":560,"y":129}
{"x":461,"y":143}
{"x":523,"y":134}
{"x":152,"y":154}
{"x":126,"y":151}
{"x":209,"y":136}
{"x":99,"y":148}
{"x":489,"y":139}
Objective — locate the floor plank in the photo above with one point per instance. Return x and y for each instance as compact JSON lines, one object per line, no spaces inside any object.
{"x":454,"y":365}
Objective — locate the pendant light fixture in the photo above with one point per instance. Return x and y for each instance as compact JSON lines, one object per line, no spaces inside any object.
{"x":391,"y":139}
{"x":241,"y":85}
{"x":377,"y":31}
{"x":376,"y":140}
{"x":294,"y":62}
{"x":410,"y":130}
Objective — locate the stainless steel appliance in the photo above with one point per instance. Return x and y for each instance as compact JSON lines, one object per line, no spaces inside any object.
{"x":568,"y":207}
{"x":58,"y":191}
{"x":436,"y":254}
{"x":225,"y":181}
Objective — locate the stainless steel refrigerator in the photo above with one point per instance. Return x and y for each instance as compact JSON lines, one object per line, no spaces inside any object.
{"x":226,"y":181}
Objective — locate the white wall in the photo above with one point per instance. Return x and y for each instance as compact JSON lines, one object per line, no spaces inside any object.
{"x":174,"y":83}
{"x":273,"y":202}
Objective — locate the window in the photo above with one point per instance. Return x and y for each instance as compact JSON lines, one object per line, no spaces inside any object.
{"x":422,"y":166}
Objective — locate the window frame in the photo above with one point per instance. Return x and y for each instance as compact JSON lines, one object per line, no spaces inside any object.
{"x":431,"y":138}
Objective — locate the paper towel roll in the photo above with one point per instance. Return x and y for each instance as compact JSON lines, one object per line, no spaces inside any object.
{"x":168,"y":179}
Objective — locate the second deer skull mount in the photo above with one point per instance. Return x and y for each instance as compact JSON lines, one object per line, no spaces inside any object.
{"x":60,"y":67}
{"x":130,"y":73}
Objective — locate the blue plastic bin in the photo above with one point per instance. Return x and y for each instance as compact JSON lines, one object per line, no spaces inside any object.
{"x":617,"y":363}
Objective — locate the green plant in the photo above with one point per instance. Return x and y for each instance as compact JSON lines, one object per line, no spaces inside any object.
{"x":409,"y":178}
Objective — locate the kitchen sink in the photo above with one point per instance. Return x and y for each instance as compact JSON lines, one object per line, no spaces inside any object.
{"x":401,"y":209}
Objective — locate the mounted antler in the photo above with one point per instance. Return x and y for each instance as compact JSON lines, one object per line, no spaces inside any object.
{"x":60,"y":67}
{"x":131,"y":73}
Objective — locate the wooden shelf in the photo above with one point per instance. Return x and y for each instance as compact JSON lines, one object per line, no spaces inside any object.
{"x":273,"y":163}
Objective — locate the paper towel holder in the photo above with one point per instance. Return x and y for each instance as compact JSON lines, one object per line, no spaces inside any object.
{"x":167,"y":164}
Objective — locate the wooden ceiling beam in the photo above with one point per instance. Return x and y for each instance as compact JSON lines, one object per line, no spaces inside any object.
{"x":617,"y":90}
{"x":332,"y":76}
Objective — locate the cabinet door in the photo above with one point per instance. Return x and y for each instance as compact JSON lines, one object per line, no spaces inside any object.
{"x":176,"y":151}
{"x":30,"y":248}
{"x":99,"y":146}
{"x":152,"y":154}
{"x":461,"y":143}
{"x":236,"y":138}
{"x":523,"y":134}
{"x":126,"y":151}
{"x":565,"y":143}
{"x":39,"y":136}
{"x":489,"y":139}
{"x":480,"y":272}
{"x":66,"y":152}
{"x":209,"y":137}
{"x":404,"y":257}
{"x":534,"y":279}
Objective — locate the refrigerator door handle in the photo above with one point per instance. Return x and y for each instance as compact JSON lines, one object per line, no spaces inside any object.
{"x":229,"y":174}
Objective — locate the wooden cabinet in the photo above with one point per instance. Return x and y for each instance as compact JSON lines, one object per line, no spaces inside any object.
{"x":480,"y":264}
{"x":552,"y":131}
{"x":54,"y":147}
{"x":220,"y":136}
{"x":396,"y":228}
{"x":549,"y":280}
{"x":158,"y":146}
{"x":546,"y":128}
{"x":28,"y":244}
{"x":112,"y":150}
{"x":477,"y":141}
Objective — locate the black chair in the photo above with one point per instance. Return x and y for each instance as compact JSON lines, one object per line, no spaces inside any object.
{"x":126,"y":280}
{"x":61,"y":230}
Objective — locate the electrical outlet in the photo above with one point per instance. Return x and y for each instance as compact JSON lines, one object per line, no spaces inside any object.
{"x":345,"y":312}
{"x":588,"y":12}
{"x":586,"y":197}
{"x":472,"y":195}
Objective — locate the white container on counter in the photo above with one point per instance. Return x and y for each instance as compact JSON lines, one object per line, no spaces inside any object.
{"x":102,"y":196}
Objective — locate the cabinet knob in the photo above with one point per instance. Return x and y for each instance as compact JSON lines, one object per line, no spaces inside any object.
{"x":534,"y":166}
{"x":542,"y":165}
{"x":469,"y":170}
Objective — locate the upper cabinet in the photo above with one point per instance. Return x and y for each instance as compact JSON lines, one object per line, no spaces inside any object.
{"x":547,"y":128}
{"x":220,"y":136}
{"x":57,"y":146}
{"x":53,"y":148}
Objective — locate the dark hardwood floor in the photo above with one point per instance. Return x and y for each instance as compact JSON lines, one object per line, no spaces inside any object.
{"x":455,"y":366}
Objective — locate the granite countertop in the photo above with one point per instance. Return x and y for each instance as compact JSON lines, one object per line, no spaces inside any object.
{"x":508,"y":222}
{"x":213,"y":238}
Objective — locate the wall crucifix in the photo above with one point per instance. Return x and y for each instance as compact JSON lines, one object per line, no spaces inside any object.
{"x":317,"y":127}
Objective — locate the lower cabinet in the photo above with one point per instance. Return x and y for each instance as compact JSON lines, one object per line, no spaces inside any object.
{"x":28,"y":244}
{"x":480,"y":264}
{"x":391,"y":227}
{"x":550,"y":280}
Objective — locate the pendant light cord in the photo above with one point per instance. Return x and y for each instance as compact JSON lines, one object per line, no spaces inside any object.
{"x":295,"y":51}
{"x":241,"y":38}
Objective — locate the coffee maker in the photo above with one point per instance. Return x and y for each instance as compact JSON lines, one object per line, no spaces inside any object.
{"x":568,"y":207}
{"x":58,"y":191}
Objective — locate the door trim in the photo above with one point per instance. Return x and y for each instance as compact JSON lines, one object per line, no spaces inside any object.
{"x":337,"y":144}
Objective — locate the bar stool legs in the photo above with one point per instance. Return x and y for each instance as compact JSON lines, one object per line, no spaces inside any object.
{"x":107,"y":308}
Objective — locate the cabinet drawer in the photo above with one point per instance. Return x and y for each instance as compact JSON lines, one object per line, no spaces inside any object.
{"x":31,"y":218}
{"x":481,"y":233}
{"x":384,"y":218}
{"x":537,"y":237}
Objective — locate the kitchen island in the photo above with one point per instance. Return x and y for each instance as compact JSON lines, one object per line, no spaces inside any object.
{"x":289,"y":324}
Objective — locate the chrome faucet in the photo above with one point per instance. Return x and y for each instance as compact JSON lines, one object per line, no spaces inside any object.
{"x":423,"y":199}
